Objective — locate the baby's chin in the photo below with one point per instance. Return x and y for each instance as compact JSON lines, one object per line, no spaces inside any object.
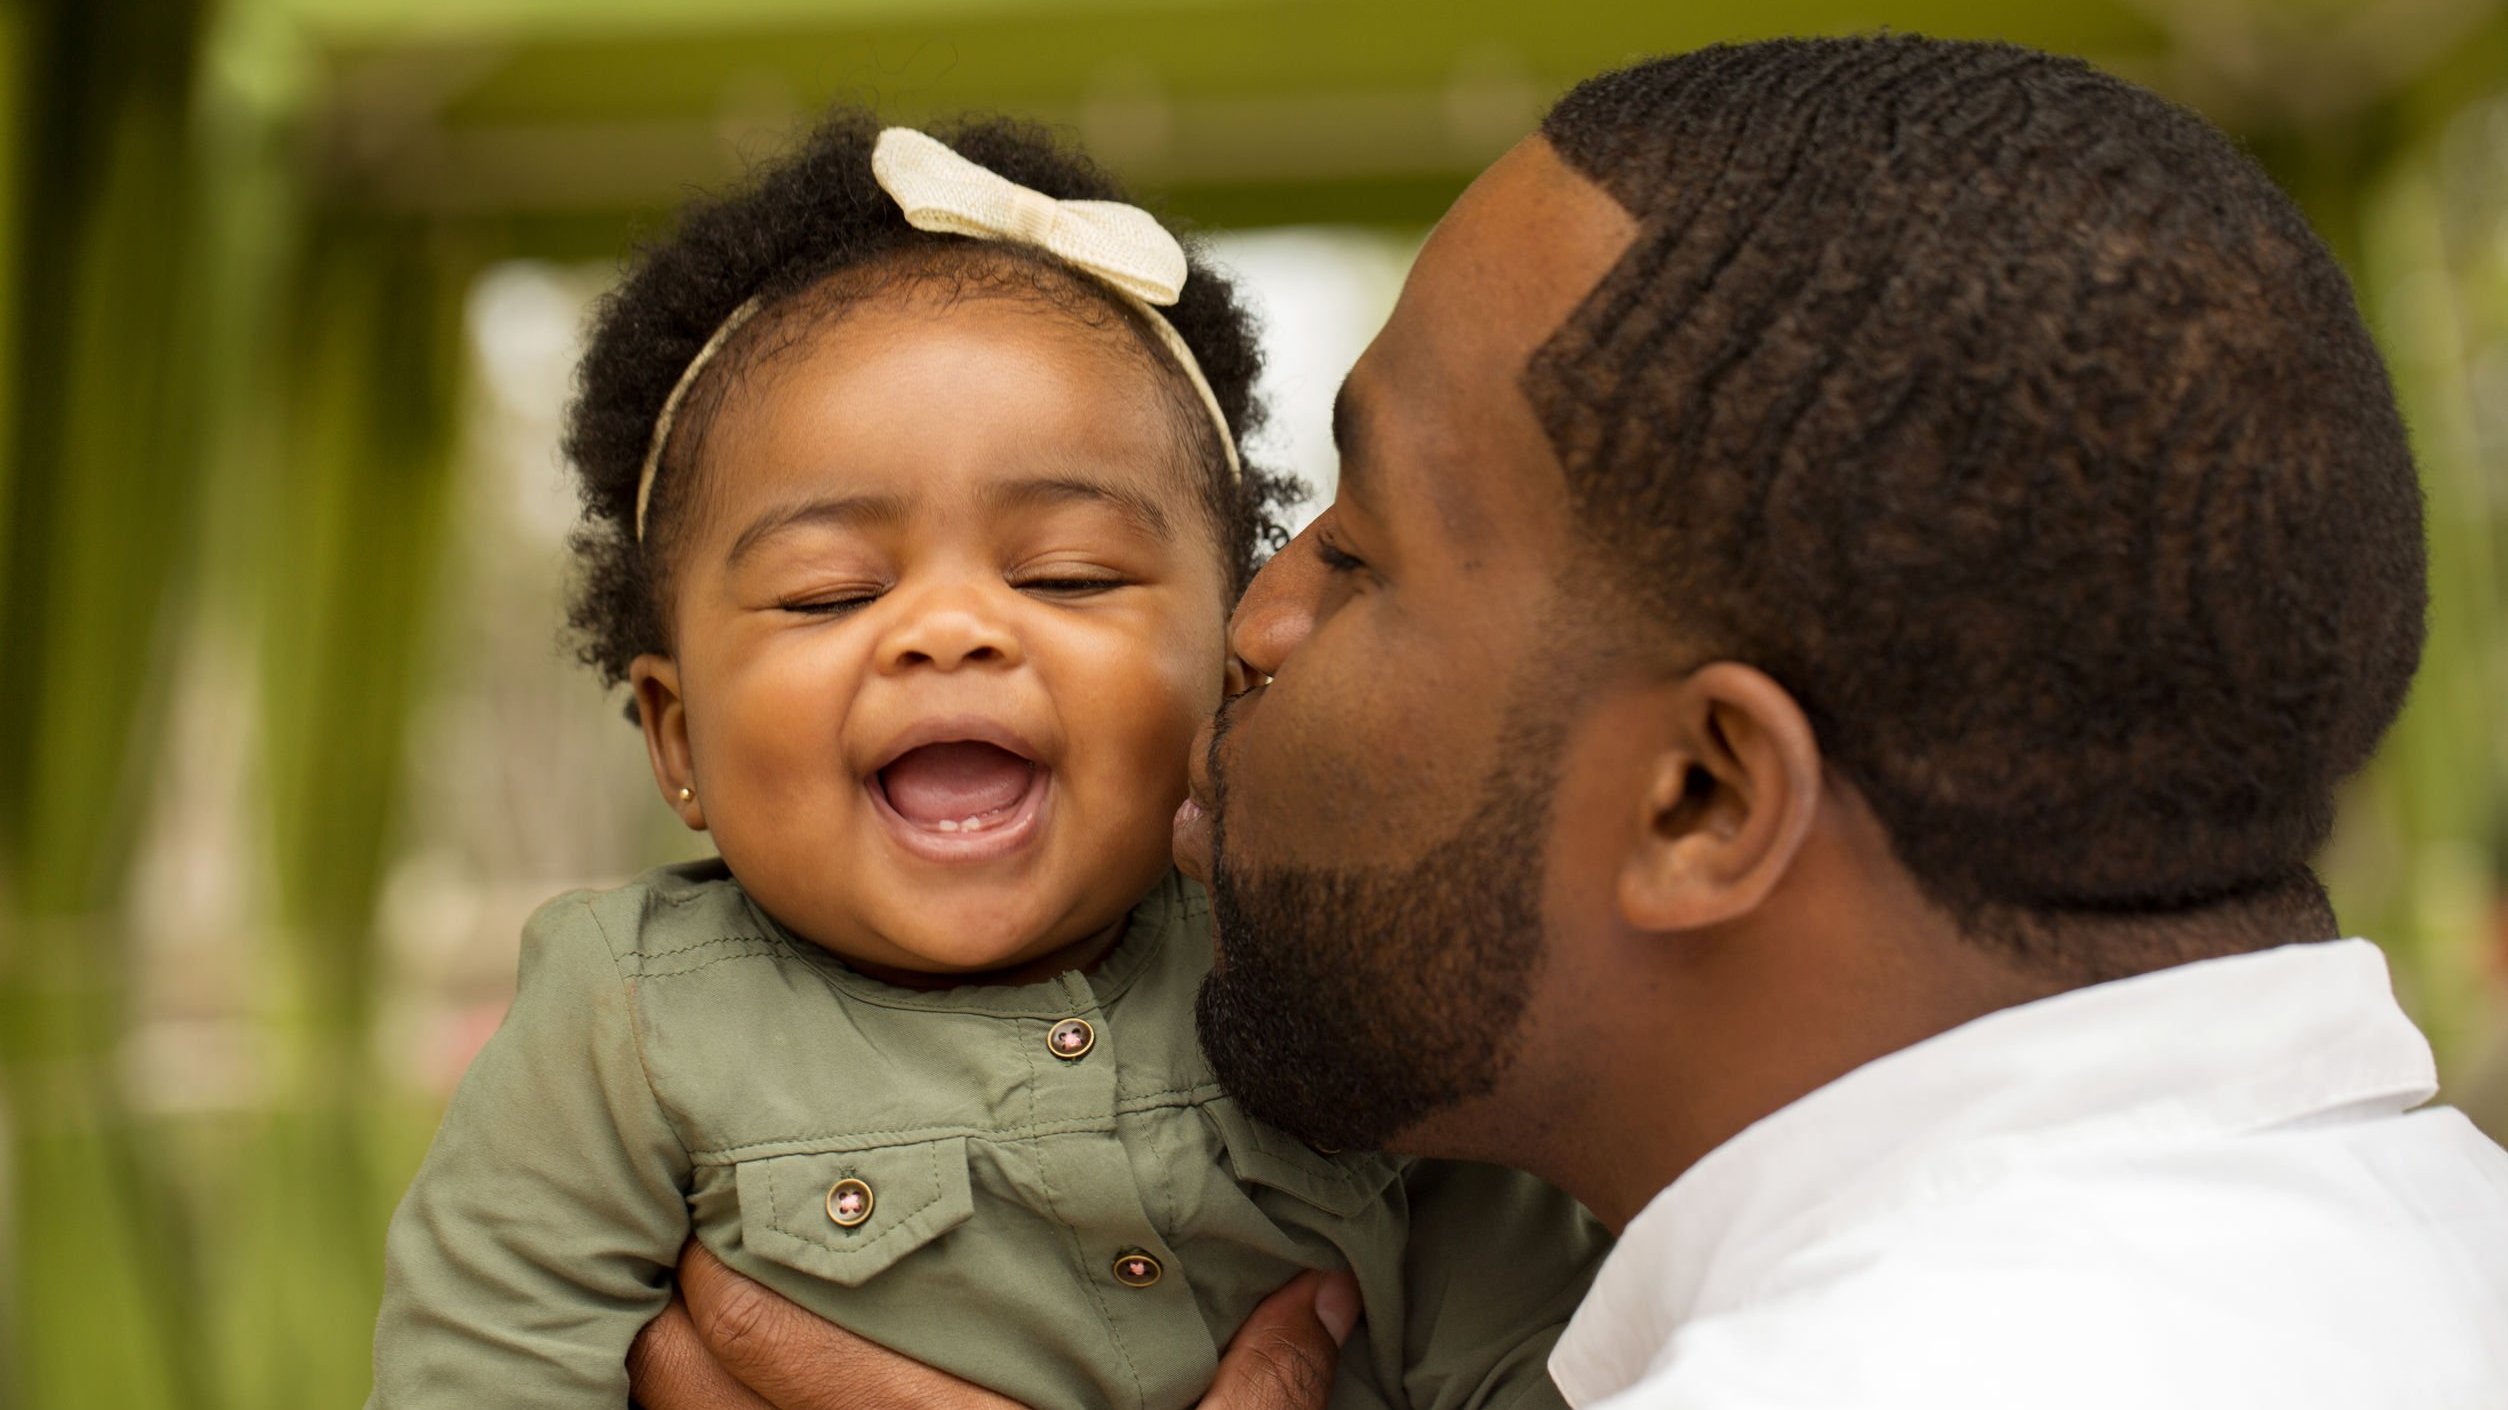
{"x":976,"y":925}
{"x":1027,"y":964}
{"x":940,"y":946}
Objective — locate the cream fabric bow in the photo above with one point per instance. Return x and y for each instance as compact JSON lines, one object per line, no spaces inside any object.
{"x":942,"y":191}
{"x":1123,"y":246}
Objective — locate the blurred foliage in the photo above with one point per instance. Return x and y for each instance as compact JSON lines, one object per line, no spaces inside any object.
{"x":237,"y":245}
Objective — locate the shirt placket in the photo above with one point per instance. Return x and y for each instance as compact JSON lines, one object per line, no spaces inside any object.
{"x":1131,"y":1276}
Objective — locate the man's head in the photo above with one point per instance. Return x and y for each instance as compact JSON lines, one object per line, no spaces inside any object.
{"x":1818,"y":492}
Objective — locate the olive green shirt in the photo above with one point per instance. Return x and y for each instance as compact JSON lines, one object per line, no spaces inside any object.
{"x":1068,"y":1230}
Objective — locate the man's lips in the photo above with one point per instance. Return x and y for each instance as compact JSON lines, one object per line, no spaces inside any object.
{"x":1197,"y":762}
{"x":1190,"y":840}
{"x":1191,"y":830}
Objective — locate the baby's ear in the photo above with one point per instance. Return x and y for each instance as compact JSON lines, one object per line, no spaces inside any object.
{"x":1728,"y":802}
{"x":664,"y":715}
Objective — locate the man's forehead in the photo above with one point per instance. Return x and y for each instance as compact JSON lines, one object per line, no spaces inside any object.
{"x":1530,"y":230}
{"x":1501,"y":273}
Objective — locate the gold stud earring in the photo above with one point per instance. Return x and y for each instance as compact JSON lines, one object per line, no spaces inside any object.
{"x":687,"y":794}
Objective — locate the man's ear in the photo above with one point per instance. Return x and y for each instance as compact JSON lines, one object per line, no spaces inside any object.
{"x":1727,"y":803}
{"x":664,"y":715}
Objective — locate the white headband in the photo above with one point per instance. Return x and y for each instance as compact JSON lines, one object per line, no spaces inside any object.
{"x":1124,"y":247}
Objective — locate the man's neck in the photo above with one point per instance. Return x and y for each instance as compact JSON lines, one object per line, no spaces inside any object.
{"x":1664,"y":1119}
{"x":1735,"y":1028}
{"x":1663,"y":1047}
{"x":1643,"y":1053}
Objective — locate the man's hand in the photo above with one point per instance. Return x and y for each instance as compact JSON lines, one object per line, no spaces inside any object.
{"x":1283,"y":1356}
{"x":725,"y":1343}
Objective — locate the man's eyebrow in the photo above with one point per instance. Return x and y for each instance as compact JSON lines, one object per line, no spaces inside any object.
{"x":1043,"y":491}
{"x":1349,"y":437}
{"x":841,"y":511}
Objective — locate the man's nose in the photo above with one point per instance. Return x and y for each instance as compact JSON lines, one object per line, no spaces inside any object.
{"x":947,"y":630}
{"x":1278,"y":609}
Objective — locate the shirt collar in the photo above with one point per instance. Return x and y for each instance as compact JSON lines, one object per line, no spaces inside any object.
{"x":2216,"y":1047}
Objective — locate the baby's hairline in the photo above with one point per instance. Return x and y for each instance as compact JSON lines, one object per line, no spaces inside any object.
{"x":947,"y":272}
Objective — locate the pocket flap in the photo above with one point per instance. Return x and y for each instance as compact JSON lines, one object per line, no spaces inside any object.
{"x":1337,"y":1184}
{"x":916,"y":1194}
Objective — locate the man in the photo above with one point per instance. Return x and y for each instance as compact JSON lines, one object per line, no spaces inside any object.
{"x":1858,"y":567}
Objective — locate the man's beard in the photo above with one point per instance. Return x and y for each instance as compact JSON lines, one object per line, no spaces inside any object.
{"x":1353,"y":1002}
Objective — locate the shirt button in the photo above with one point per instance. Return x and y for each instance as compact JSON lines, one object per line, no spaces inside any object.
{"x":849,"y":1203}
{"x":1071,"y":1039}
{"x":1136,"y":1269}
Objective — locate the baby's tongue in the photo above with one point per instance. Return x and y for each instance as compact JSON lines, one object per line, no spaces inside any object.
{"x":953,"y":782}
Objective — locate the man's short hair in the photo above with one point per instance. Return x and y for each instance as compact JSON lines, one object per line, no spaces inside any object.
{"x":2020,"y":427}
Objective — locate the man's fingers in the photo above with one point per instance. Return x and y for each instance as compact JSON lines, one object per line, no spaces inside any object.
{"x":726,"y":1343}
{"x":668,"y":1368}
{"x":1284,"y":1356}
{"x":797,"y":1361}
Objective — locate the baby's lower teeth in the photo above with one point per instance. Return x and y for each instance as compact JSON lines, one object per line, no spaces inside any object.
{"x":959,"y":825}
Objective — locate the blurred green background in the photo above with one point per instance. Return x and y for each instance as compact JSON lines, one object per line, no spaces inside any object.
{"x":288,"y":745}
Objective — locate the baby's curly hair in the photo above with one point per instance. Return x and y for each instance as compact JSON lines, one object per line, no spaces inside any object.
{"x":814,"y":222}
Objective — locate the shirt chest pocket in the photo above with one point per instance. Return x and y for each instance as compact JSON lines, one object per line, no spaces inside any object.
{"x":848,"y":1216}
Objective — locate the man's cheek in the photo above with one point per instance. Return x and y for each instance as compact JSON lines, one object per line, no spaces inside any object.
{"x":1287,"y":784}
{"x":1328,"y":792}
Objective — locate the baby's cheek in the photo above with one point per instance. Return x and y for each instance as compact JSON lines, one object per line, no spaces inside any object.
{"x":1154,"y":681}
{"x":1195,"y":664}
{"x":1188,"y":686}
{"x":1151,"y":729}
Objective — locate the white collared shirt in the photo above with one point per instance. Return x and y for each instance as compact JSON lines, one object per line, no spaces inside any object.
{"x":2198,"y":1189}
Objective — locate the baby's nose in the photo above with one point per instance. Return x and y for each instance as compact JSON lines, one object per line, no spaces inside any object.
{"x":950,"y":636}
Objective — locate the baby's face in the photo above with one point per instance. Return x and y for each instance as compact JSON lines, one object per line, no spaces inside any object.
{"x":947,"y":620}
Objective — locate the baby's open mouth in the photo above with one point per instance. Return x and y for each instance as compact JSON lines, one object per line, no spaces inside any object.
{"x":961,"y":786}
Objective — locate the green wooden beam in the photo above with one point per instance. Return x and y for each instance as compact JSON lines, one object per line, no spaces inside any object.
{"x":1248,"y":111}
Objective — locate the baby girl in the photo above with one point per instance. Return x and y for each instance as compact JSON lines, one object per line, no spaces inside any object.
{"x":914,"y":513}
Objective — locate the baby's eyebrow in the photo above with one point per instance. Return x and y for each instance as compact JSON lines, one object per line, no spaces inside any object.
{"x":1040,"y":491}
{"x":842,"y":511}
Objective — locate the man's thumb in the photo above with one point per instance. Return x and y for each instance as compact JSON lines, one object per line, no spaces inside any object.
{"x":1284,"y":1356}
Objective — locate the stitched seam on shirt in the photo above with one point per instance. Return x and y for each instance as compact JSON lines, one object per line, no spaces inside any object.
{"x":709,"y":964}
{"x":1165,"y":1190}
{"x":709,"y":944}
{"x":1174,"y":1098}
{"x":906,"y":1136}
{"x":635,"y":1038}
{"x":1199,"y":1095}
